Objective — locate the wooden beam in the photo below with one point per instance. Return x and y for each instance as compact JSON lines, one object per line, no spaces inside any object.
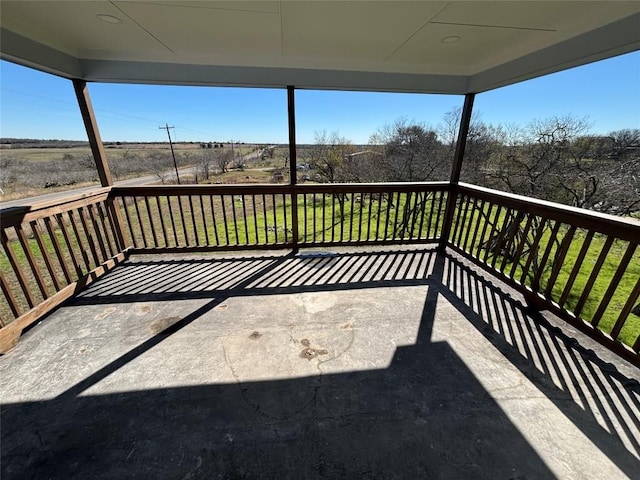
{"x":293,"y":180}
{"x":463,"y":133}
{"x":91,"y":126}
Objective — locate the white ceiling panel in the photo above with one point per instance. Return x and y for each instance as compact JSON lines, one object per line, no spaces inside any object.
{"x":376,"y":45}
{"x":362,"y":31}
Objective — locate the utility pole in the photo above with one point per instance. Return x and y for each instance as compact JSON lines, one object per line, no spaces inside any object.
{"x":175,"y":165}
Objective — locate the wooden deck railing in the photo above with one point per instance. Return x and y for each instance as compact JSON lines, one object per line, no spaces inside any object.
{"x":49,"y":251}
{"x":583,"y":266}
{"x":234,"y":217}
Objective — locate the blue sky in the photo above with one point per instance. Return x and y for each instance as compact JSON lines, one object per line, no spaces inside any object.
{"x":38,"y":105}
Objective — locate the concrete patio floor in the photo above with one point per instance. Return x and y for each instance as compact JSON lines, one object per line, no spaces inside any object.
{"x":379,"y":363}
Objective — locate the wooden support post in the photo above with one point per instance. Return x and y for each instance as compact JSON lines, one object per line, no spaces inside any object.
{"x":463,"y":133}
{"x":293,"y":180}
{"x":91,"y":126}
{"x":97,"y":149}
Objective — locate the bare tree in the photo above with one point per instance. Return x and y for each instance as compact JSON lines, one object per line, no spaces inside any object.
{"x":327,"y":156}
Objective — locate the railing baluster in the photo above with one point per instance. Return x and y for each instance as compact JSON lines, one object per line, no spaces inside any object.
{"x":461,"y":220}
{"x":559,"y":260}
{"x":162,"y":222}
{"x":129,"y":222}
{"x":213,"y":220}
{"x":264,"y":216}
{"x":576,"y":268}
{"x":424,"y":198}
{"x":351,"y":218}
{"x":97,"y":234}
{"x":626,"y":310}
{"x":224,"y":219}
{"x":395,"y":217}
{"x":58,"y":249}
{"x":15,"y":264}
{"x":173,"y":223}
{"x":8,"y":294}
{"x":69,"y":245}
{"x":275,"y":219}
{"x":508,"y":242}
{"x":523,"y":241}
{"x":139,"y":217}
{"x":182,"y":220}
{"x":438,"y":227}
{"x":535,"y":284}
{"x":305,"y":213}
{"x":333,"y":216}
{"x":492,"y":229}
{"x":107,"y":228}
{"x":89,"y":237}
{"x":204,"y":221}
{"x":478,"y":215}
{"x":45,"y":255}
{"x":532,"y":250}
{"x":193,"y":220}
{"x":286,"y":224}
{"x":592,"y":278}
{"x":378,"y":216}
{"x":235,"y":219}
{"x":361,"y":196}
{"x":81,"y":246}
{"x":613,"y":285}
{"x":369,"y":209}
{"x":255,"y":219}
{"x":152,"y":225}
{"x":342,"y":199}
{"x":35,"y":269}
{"x":324,"y":221}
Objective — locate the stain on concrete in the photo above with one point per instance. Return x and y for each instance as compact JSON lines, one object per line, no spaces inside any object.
{"x":345,"y":326}
{"x":255,"y":335}
{"x":162,"y":324}
{"x":144,"y":310}
{"x":105,"y":313}
{"x":305,"y":342}
{"x":310,"y":353}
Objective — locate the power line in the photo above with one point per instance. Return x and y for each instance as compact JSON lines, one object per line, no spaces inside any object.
{"x":175,"y":165}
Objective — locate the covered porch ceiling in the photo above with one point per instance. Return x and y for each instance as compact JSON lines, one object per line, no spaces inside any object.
{"x":433,"y":47}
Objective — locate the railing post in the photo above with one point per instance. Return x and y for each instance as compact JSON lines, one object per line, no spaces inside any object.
{"x":292,"y":164}
{"x":97,"y":149}
{"x":463,"y":133}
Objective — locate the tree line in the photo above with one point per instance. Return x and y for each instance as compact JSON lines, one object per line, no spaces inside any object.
{"x":554,"y":159}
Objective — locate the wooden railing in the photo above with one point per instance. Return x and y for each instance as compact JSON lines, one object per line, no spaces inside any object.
{"x":583,"y":266}
{"x":233,"y":217}
{"x":49,"y":251}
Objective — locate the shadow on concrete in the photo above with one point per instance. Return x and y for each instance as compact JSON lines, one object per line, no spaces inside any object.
{"x":425,"y":416}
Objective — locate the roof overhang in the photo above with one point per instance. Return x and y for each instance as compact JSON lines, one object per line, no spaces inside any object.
{"x":433,"y":47}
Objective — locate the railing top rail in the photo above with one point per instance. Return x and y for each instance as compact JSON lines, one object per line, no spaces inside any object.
{"x":30,"y":211}
{"x":250,"y":189}
{"x":621,"y":227}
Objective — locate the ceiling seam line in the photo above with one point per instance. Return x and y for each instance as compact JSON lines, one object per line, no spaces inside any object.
{"x":178,"y":5}
{"x":416,"y":32}
{"x":140,"y":26}
{"x":495,"y":26}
